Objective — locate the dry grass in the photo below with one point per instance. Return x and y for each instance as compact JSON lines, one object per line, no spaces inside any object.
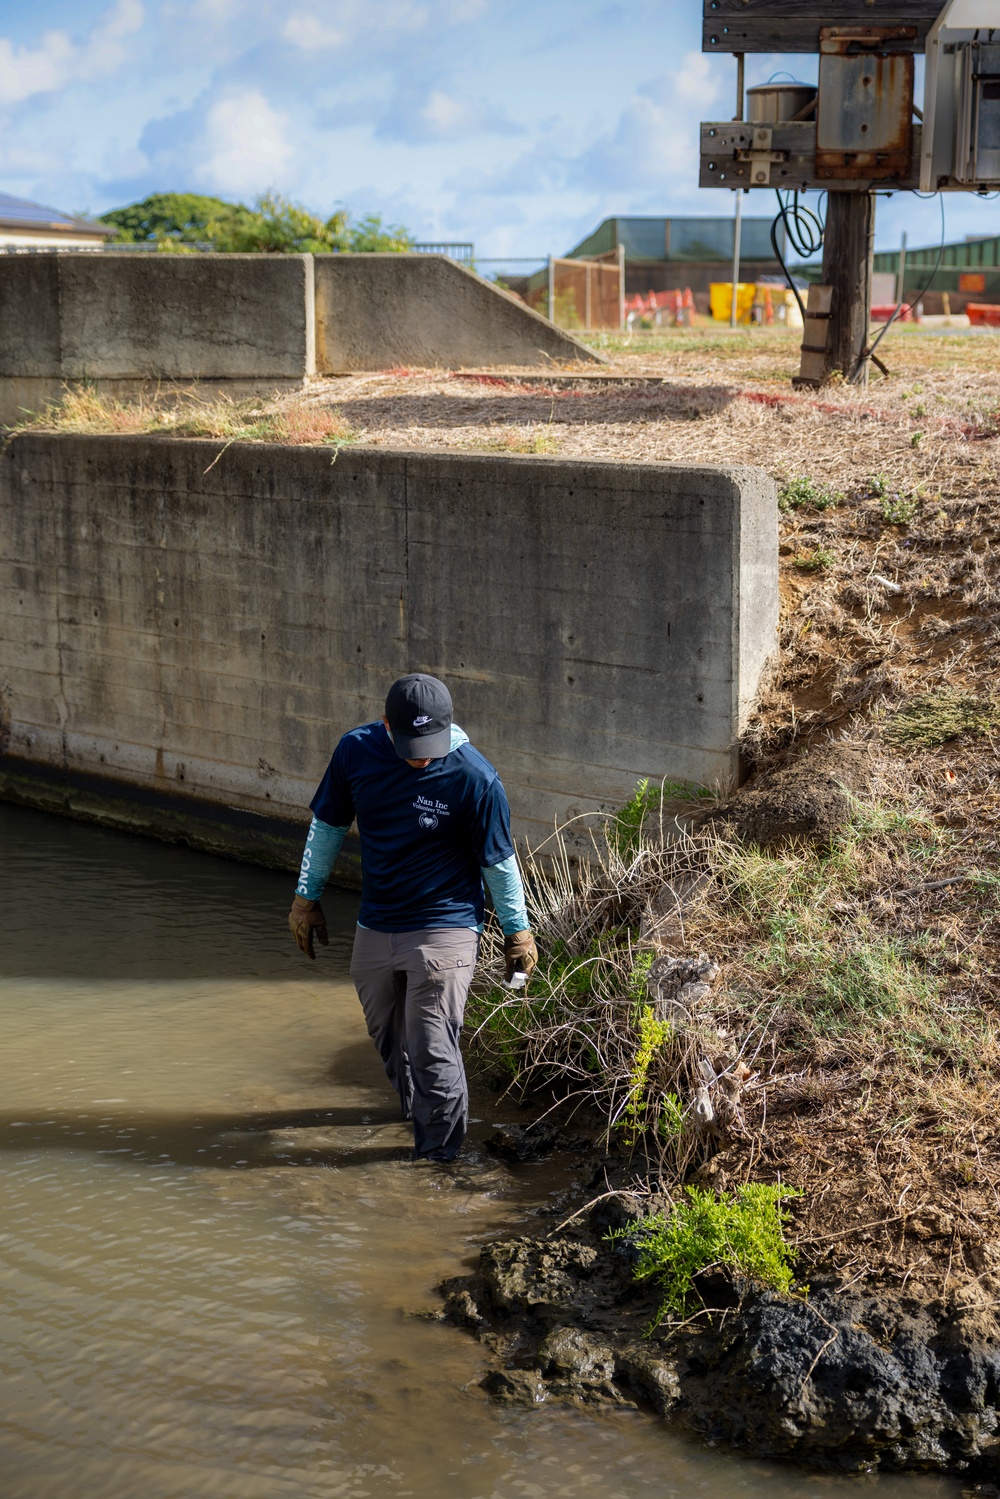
{"x":295,"y":420}
{"x":823,"y":1018}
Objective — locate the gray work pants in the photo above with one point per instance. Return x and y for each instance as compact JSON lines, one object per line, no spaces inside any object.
{"x":413,"y":987}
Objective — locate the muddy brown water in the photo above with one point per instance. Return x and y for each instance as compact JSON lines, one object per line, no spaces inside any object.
{"x":212,"y":1246}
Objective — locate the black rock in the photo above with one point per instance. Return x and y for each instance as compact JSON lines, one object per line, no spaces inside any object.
{"x":523,"y":1142}
{"x":514,"y":1387}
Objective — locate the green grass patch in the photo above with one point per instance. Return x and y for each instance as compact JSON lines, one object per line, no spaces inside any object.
{"x":741,"y":1232}
{"x":935,"y":717}
{"x":625,"y":830}
{"x":804,"y":493}
{"x":809,"y":937}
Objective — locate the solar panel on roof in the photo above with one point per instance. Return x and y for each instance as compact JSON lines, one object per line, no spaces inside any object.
{"x":38,"y":215}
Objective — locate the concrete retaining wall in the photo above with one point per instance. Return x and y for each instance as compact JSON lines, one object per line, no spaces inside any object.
{"x":238,"y":323}
{"x":245,"y":324}
{"x":184,"y":636}
{"x":380,"y":311}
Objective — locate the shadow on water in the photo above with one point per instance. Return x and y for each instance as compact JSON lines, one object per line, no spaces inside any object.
{"x":238,"y":1141}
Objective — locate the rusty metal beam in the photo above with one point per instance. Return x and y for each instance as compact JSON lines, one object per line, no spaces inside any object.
{"x":729,"y":158}
{"x":794,"y":25}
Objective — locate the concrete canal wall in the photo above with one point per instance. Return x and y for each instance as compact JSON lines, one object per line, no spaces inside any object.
{"x":426,"y":311}
{"x":245,"y":324}
{"x":186,"y":628}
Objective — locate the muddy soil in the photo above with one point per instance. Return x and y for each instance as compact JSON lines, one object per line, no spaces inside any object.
{"x":842,"y":1380}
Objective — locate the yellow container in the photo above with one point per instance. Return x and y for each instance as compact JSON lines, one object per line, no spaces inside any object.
{"x":720,"y":295}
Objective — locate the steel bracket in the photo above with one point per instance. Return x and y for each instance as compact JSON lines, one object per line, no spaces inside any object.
{"x":761,"y":156}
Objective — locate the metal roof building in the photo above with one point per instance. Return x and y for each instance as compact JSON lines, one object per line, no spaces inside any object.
{"x":659,"y":241}
{"x":663,"y":254}
{"x":31,"y":226}
{"x":967,"y":269}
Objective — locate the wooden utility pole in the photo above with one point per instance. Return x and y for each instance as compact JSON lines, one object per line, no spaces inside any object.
{"x":847,"y":268}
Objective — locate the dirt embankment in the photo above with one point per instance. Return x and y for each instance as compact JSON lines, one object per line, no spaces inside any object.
{"x":845,"y":904}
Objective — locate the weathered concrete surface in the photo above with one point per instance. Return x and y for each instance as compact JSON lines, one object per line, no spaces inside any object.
{"x":380,"y":311}
{"x":243,"y":323}
{"x":187,"y":628}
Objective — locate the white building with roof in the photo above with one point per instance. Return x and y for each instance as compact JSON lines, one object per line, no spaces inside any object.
{"x":32,"y":226}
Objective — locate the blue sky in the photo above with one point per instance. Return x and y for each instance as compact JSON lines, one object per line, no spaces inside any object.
{"x":516,"y":125}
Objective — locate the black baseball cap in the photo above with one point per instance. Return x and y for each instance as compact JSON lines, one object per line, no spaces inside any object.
{"x":419,"y":711}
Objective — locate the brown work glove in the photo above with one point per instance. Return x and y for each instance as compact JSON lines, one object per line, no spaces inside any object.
{"x":520,"y":954}
{"x":306,"y":919}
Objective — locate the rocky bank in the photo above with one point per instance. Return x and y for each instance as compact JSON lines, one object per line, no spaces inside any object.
{"x":837,"y":1379}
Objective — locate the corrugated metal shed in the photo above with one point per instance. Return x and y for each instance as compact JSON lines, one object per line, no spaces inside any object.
{"x":962,"y":254}
{"x":660,"y":241}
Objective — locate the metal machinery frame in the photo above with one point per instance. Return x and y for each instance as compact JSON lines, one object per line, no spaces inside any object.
{"x":859,"y":131}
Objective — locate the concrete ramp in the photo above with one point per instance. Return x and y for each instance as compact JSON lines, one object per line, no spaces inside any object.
{"x":380,"y":311}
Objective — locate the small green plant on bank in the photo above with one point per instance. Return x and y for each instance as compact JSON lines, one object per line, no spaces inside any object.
{"x":740,"y":1232}
{"x":672,"y":1120}
{"x":653,"y":1034}
{"x":898,"y":509}
{"x":641,"y":812}
{"x":814,"y":560}
{"x":935,"y":717}
{"x":805,"y":493}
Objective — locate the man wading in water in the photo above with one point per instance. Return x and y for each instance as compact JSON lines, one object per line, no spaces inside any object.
{"x":434,"y":822}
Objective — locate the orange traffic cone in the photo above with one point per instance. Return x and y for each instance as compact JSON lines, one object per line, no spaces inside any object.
{"x":690,"y":311}
{"x":768,"y":306}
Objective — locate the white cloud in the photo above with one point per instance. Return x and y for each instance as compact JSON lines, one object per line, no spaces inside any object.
{"x":57,"y":60}
{"x":654,"y":143}
{"x":346,"y":21}
{"x":246,"y":146}
{"x":310,"y":33}
{"x":35,"y":70}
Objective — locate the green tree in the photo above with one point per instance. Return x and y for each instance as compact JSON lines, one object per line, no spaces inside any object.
{"x":273,"y":225}
{"x":184,"y":217}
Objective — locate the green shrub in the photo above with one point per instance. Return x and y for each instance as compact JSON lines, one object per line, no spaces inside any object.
{"x":624,"y":830}
{"x":814,"y":561}
{"x":653,"y":1034}
{"x":805,"y":494}
{"x":898,"y":509}
{"x":742,"y":1232}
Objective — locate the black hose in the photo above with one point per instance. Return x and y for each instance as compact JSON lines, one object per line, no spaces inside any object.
{"x":914,"y":301}
{"x":803,"y":231}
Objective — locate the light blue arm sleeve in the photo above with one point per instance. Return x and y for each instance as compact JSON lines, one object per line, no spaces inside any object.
{"x":323,"y":844}
{"x":504,"y":881}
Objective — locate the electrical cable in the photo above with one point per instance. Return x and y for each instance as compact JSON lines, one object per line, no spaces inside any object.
{"x":803,"y":231}
{"x":869,"y":353}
